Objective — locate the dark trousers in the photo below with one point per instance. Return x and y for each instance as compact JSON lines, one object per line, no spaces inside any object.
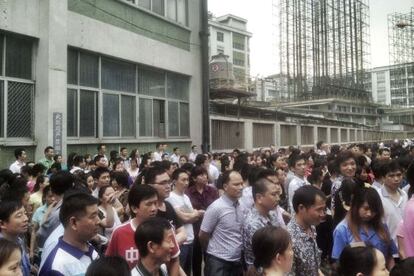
{"x":217,"y":267}
{"x":186,"y":257}
{"x":197,"y":257}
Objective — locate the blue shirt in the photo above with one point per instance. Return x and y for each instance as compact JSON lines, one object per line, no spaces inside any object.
{"x":343,"y":236}
{"x":66,"y":259}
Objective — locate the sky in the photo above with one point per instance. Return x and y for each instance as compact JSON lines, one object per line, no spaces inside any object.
{"x":263,"y":21}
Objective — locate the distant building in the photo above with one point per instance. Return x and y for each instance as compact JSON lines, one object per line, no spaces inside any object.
{"x":229,"y":36}
{"x":393,"y":85}
{"x":270,"y":88}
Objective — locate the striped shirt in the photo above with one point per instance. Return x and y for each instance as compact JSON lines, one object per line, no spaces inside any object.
{"x":223,"y":220}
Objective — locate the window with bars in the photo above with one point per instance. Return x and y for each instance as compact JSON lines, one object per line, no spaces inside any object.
{"x":16,"y":87}
{"x":159,"y":98}
{"x":220,"y":36}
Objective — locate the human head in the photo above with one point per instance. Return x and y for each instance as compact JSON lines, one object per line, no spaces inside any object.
{"x":10,"y":258}
{"x":176,"y":151}
{"x":358,"y":259}
{"x":79,"y":215}
{"x":393,"y":175}
{"x":123,"y":152}
{"x":13,"y":218}
{"x":60,"y":182}
{"x":79,"y":161}
{"x":47,"y":196}
{"x":20,"y":154}
{"x":366,"y":207}
{"x":101,"y":149}
{"x":160,"y":180}
{"x":272,"y":247}
{"x":201,"y":160}
{"x":37,"y":169}
{"x":194,"y":148}
{"x":41,"y":182}
{"x":232,"y":184}
{"x":309,"y":204}
{"x":100,"y":161}
{"x":106,"y":192}
{"x":384,"y":154}
{"x":346,"y":164}
{"x":120,"y":179}
{"x":180,"y":178}
{"x":102,"y":177}
{"x":49,"y":152}
{"x":266,"y":194}
{"x":154,"y":240}
{"x":143,"y":200}
{"x":199,"y":175}
{"x":183,"y":160}
{"x":108,"y":266}
{"x":297,"y":164}
{"x":168,"y":167}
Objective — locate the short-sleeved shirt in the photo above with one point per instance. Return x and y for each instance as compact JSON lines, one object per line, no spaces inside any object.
{"x":295,"y":184}
{"x":16,"y":166}
{"x":393,"y":211}
{"x":343,"y":236}
{"x":65,"y":259}
{"x":253,"y":221}
{"x":223,"y":221}
{"x":122,"y":244}
{"x":306,"y":254}
{"x":170,"y":215}
{"x":47,"y":163}
{"x":184,"y":204}
{"x":140,"y":270}
{"x":39,"y":214}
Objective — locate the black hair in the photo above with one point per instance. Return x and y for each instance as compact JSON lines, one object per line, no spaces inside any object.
{"x":152,"y":174}
{"x":306,"y":196}
{"x":177,"y":173}
{"x":403,"y":268}
{"x":56,"y":157}
{"x":343,"y":157}
{"x":260,"y":187}
{"x":97,"y":158}
{"x":48,"y":148}
{"x":176,"y":148}
{"x":122,"y":148}
{"x":37,"y":169}
{"x":39,"y":180}
{"x":294,"y":158}
{"x":193,"y":146}
{"x":196,"y":171}
{"x":410,"y":179}
{"x":121,"y":178}
{"x":319,"y":144}
{"x":102,"y":191}
{"x":108,"y":266}
{"x":356,"y":259}
{"x":392,"y":166}
{"x":166,"y":164}
{"x":226,"y":176}
{"x":60,"y":182}
{"x":18,"y":152}
{"x":99,"y":171}
{"x":75,"y":204}
{"x":138,"y":193}
{"x":78,"y":159}
{"x":15,"y":190}
{"x":7,"y":208}
{"x":151,"y":230}
{"x":188,"y":167}
{"x":377,"y":167}
{"x":225,"y":163}
{"x":200,"y":159}
{"x":6,"y":250}
{"x":267,"y":242}
{"x":381,"y":150}
{"x":100,"y":146}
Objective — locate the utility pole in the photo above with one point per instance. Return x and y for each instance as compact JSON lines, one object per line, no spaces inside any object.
{"x":204,"y":34}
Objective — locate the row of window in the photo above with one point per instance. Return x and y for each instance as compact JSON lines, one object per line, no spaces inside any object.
{"x":238,"y":40}
{"x":175,"y":10}
{"x":130,"y":99}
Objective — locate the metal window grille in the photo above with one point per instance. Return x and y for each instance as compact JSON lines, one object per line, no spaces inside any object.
{"x":262,"y":135}
{"x":307,"y":135}
{"x":20,"y":109}
{"x":227,"y":135}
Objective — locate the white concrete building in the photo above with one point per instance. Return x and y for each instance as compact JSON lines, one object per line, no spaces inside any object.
{"x":229,"y":35}
{"x":78,"y":73}
{"x":393,"y":85}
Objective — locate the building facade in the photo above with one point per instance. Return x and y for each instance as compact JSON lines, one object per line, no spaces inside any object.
{"x":229,"y":36}
{"x":393,"y":85}
{"x":76,"y":73}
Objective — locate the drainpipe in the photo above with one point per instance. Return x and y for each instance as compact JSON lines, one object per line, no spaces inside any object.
{"x":204,"y":34}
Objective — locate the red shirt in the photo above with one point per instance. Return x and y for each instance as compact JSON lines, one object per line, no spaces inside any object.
{"x":122,"y":244}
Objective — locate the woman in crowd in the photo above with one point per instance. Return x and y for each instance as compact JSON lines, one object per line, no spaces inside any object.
{"x":10,"y":258}
{"x":272,"y":250}
{"x":359,"y":259}
{"x":36,"y":198}
{"x":107,"y":213}
{"x":133,"y":169}
{"x":364,"y":222}
{"x":120,"y":183}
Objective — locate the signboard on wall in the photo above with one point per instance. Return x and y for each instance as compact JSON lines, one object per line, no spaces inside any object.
{"x":57,"y":131}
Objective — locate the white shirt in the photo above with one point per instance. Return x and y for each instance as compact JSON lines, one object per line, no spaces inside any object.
{"x":16,"y":166}
{"x":295,"y":184}
{"x":213,"y":172}
{"x":183,"y":203}
{"x":117,"y":222}
{"x":393,"y":211}
{"x":175,"y":158}
{"x":192,"y":156}
{"x":158,"y":156}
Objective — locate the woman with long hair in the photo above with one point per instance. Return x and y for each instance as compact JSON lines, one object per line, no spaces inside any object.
{"x":272,"y":250}
{"x":364,"y":222}
{"x":36,"y":198}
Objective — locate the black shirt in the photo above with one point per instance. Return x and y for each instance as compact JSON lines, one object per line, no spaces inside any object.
{"x":170,"y":215}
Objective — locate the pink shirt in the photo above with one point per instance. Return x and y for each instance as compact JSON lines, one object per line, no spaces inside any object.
{"x":407,"y":229}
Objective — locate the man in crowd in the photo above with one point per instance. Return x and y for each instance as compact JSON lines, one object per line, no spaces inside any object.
{"x":309,"y":207}
{"x":266,"y":195}
{"x":220,"y":230}
{"x":193,"y":154}
{"x":160,"y":150}
{"x":102,"y":151}
{"x":102,"y":179}
{"x":175,"y":157}
{"x":384,"y":154}
{"x":21,"y":156}
{"x":142,"y":200}
{"x":73,"y":253}
{"x":322,"y":148}
{"x":297,"y":165}
{"x":48,"y":161}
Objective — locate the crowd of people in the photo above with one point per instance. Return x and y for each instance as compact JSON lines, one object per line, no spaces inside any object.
{"x":332,"y":210}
